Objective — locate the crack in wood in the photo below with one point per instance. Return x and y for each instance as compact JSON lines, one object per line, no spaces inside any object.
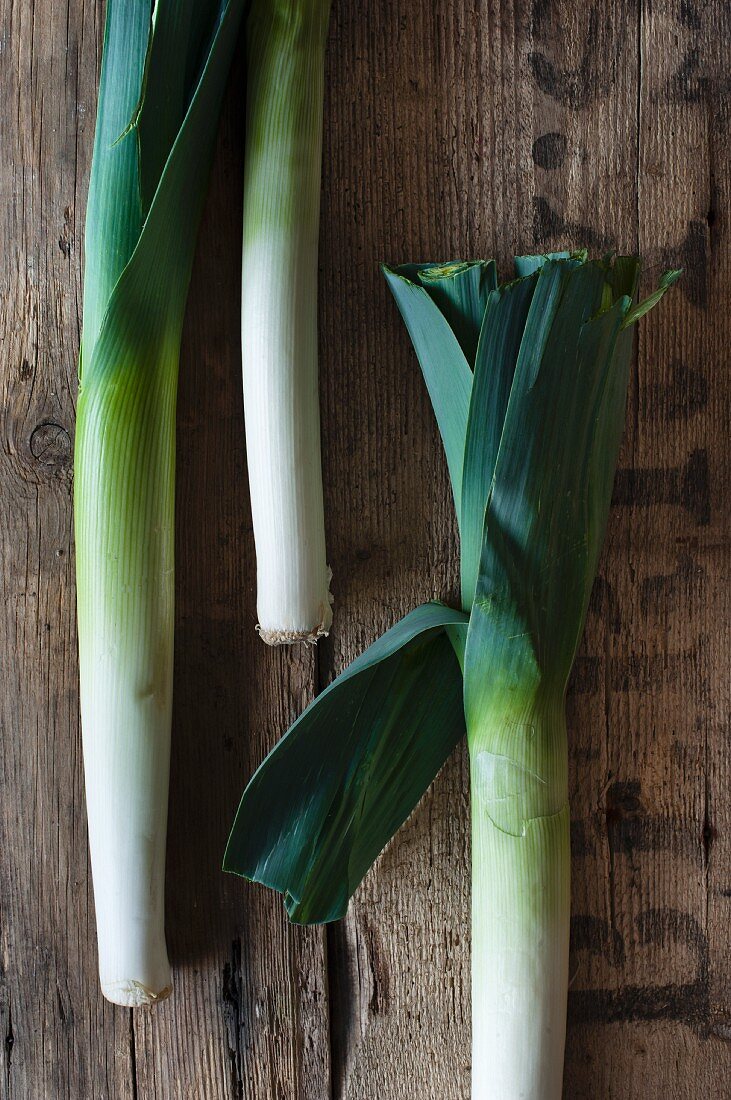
{"x":133,"y":1055}
{"x":9,"y":1044}
{"x":231,"y":995}
{"x":329,"y":943}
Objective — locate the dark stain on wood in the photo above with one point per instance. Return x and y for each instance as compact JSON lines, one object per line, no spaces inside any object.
{"x":683,"y":395}
{"x":589,"y":933}
{"x":552,"y":226}
{"x":692,"y":255}
{"x":585,"y":676}
{"x":687,"y":486}
{"x":671,"y":592}
{"x":685,"y":1003}
{"x":592,"y":78}
{"x":549,"y":151}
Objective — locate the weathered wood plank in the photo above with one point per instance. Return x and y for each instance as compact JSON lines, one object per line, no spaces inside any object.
{"x":651,"y":1019}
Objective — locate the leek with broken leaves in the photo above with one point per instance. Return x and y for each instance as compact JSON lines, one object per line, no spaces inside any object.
{"x":286,"y":59}
{"x":164,"y":69}
{"x":528,"y":382}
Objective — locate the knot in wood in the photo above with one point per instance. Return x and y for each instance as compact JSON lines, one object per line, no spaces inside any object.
{"x":50,"y":445}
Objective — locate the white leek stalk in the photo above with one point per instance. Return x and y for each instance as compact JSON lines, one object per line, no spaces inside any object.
{"x":124,"y":562}
{"x":286,"y":51}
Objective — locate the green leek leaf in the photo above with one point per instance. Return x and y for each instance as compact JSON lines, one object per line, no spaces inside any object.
{"x":446,"y":371}
{"x":165,"y":93}
{"x":460,"y":292}
{"x":668,"y":279}
{"x":351,"y":769}
{"x":114,"y":209}
{"x":622,"y":274}
{"x":529,"y":265}
{"x":531,"y":587}
{"x":505,"y":317}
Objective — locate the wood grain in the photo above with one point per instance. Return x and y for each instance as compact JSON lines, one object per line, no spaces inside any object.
{"x":453,"y":129}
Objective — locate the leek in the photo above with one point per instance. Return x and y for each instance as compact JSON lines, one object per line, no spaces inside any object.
{"x":164,"y":68}
{"x":528,"y":382}
{"x":286,"y":56}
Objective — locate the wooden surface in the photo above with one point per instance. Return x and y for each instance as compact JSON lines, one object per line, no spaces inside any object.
{"x":454,"y":128}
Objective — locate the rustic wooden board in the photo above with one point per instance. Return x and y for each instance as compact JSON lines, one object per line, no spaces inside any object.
{"x":453,"y":129}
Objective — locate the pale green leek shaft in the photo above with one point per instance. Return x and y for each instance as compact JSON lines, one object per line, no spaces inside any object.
{"x":520,"y":901}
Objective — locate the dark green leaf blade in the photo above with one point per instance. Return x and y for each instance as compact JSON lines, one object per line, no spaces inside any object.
{"x":623,"y":273}
{"x":181,"y":36}
{"x":144,"y":315}
{"x":446,"y":371}
{"x":162,"y":103}
{"x":114,"y":212}
{"x":350,"y":770}
{"x":461,"y":290}
{"x":497,"y":354}
{"x":528,"y":265}
{"x":535,"y":573}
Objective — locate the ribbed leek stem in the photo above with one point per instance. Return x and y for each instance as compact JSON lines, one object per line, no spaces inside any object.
{"x":286,"y":51}
{"x":124,"y":499}
{"x":520,"y":904}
